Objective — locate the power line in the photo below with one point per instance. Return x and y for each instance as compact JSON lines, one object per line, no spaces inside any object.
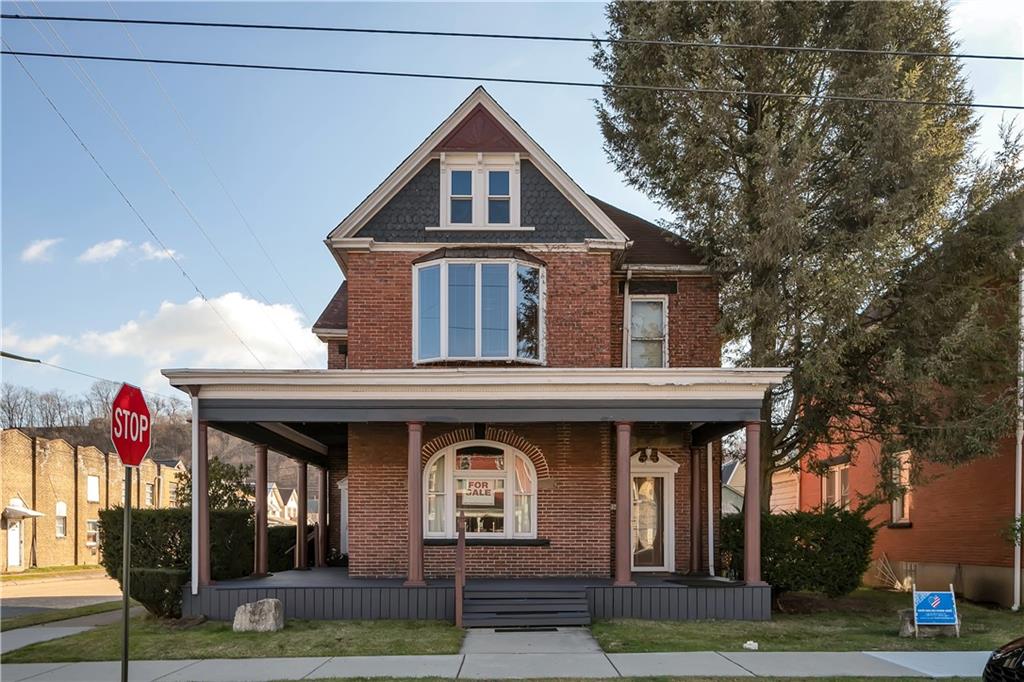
{"x":195,"y":143}
{"x":36,"y":361}
{"x":532,"y":37}
{"x":522,"y":81}
{"x":105,"y":104}
{"x":134,"y":210}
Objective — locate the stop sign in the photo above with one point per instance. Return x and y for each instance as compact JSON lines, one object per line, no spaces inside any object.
{"x":130,"y":425}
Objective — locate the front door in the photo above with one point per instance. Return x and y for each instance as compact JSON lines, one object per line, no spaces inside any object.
{"x":648,"y":521}
{"x":13,"y":544}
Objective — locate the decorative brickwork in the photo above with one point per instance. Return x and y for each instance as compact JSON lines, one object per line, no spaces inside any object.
{"x":503,"y":436}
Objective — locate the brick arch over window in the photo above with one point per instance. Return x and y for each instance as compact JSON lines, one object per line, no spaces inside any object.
{"x":503,"y":436}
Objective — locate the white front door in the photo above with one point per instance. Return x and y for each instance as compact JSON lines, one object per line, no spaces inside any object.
{"x":652,"y":513}
{"x":13,"y":544}
{"x":343,"y":515}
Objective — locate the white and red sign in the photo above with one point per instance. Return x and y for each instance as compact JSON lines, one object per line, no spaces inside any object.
{"x":479,"y":492}
{"x":130,"y":425}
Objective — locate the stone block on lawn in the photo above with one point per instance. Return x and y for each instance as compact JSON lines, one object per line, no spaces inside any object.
{"x":265,"y":615}
{"x":907,"y":627}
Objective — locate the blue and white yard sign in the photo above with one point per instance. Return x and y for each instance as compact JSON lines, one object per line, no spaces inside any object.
{"x":935,"y":608}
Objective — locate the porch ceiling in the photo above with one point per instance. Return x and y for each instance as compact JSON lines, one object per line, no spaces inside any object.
{"x":256,"y":433}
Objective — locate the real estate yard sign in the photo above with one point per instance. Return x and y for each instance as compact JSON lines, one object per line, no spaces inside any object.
{"x":935,"y":608}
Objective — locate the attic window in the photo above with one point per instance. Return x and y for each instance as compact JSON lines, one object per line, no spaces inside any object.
{"x":479,"y":192}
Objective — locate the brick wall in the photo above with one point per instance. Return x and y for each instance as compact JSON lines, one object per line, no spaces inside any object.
{"x":61,"y":474}
{"x":957,"y":515}
{"x":574,"y":507}
{"x":693,"y":316}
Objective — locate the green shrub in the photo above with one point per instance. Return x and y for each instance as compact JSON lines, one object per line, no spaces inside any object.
{"x":159,"y":589}
{"x":281,"y":547}
{"x":825,"y":551}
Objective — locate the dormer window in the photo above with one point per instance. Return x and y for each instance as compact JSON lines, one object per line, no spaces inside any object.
{"x":479,"y":192}
{"x":478,"y":309}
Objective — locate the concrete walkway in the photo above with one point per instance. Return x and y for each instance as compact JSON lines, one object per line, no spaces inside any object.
{"x":522,"y":665}
{"x":22,"y":637}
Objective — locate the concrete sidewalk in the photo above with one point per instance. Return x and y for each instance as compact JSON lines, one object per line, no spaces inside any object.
{"x":529,"y":665}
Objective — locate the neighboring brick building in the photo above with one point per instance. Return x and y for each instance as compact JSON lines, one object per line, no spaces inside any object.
{"x":507,"y":347}
{"x":67,"y":486}
{"x":948,"y":529}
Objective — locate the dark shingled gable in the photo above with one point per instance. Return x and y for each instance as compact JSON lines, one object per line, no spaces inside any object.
{"x":335,"y":315}
{"x":652,"y":245}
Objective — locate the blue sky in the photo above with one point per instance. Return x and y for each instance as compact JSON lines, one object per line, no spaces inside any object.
{"x":83,"y":285}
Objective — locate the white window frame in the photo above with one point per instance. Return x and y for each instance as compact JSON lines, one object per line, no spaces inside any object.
{"x":60,"y":512}
{"x":904,"y":501}
{"x":513,"y":340}
{"x":660,"y":298}
{"x":92,"y":492}
{"x":508,"y":476}
{"x":838,"y":483}
{"x":172,"y":494}
{"x":150,"y":495}
{"x":665,"y":468}
{"x":89,"y":524}
{"x":479,"y":164}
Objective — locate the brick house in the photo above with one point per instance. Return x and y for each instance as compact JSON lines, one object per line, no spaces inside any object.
{"x":949,"y":529}
{"x":53,"y":492}
{"x":505,"y":347}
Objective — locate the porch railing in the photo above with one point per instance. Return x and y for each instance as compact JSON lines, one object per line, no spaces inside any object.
{"x":460,"y":566}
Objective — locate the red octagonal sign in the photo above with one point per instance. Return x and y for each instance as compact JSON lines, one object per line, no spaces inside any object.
{"x":130,"y":425}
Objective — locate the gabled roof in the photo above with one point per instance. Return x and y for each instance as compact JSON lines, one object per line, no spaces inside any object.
{"x":335,"y":315}
{"x":472,"y":123}
{"x":651,"y":244}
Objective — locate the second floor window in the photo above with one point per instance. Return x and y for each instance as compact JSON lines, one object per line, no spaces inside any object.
{"x":92,"y":489}
{"x":837,"y":486}
{"x":60,"y":516}
{"x":477,"y":310}
{"x":648,"y":336}
{"x":901,"y":477}
{"x":149,"y":494}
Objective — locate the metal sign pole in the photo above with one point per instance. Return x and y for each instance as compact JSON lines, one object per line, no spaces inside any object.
{"x":126,"y":550}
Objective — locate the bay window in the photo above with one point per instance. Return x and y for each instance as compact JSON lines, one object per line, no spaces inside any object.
{"x":493,"y":485}
{"x":477,"y":310}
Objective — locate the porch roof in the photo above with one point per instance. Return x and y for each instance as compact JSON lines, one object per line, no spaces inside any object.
{"x":478,"y":394}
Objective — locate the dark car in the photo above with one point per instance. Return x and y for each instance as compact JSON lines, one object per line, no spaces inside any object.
{"x":1006,"y":664}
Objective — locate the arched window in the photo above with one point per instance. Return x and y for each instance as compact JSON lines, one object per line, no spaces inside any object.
{"x":494,"y":485}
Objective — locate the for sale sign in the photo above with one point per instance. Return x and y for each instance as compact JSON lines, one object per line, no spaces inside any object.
{"x":479,"y":492}
{"x":130,"y":425}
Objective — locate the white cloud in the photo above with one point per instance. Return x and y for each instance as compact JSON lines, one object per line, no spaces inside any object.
{"x":192,"y":334}
{"x":152,"y":252}
{"x":34,"y":345}
{"x":39,"y":251}
{"x":103,"y":251}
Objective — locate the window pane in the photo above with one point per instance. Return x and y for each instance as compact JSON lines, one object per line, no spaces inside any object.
{"x":645,"y":354}
{"x":646,"y":320}
{"x":524,"y":477}
{"x":844,"y":486}
{"x":497,"y":184}
{"x":494,"y":313}
{"x":480,"y":458}
{"x":461,"y":310}
{"x":523,"y":514}
{"x":483,"y":501}
{"x":830,"y":487}
{"x":435,"y":477}
{"x":498,"y":211}
{"x":462,"y":211}
{"x":462,"y":183}
{"x":430,"y":312}
{"x":435,"y":513}
{"x":528,"y":312}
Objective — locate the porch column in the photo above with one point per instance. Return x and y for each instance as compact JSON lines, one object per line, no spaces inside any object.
{"x":202,"y":502}
{"x":414,"y":483}
{"x":695,"y":512}
{"x":321,"y":519}
{"x":260,"y":544}
{"x":623,"y":504}
{"x":752,"y":508}
{"x":300,"y":520}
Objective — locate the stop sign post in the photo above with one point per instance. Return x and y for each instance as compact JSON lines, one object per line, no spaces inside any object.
{"x":130,"y":428}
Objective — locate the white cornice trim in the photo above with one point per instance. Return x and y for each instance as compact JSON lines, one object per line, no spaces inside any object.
{"x":483,"y":383}
{"x":666,"y":269}
{"x":424,"y":152}
{"x":294,"y":436}
{"x":349,"y":244}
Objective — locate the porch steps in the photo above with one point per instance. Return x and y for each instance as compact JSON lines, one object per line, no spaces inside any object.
{"x":530,"y":606}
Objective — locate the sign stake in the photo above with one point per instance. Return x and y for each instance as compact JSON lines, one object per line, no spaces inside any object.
{"x":126,"y":554}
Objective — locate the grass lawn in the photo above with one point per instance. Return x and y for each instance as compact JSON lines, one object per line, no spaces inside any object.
{"x":863,"y":621}
{"x":632,"y":679}
{"x":53,"y":615}
{"x":153,"y":639}
{"x":46,"y":572}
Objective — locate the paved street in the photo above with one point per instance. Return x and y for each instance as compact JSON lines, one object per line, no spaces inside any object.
{"x":56,"y":592}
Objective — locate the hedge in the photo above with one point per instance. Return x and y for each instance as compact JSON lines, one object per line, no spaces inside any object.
{"x":281,"y":547}
{"x":159,"y":589}
{"x":824,"y":551}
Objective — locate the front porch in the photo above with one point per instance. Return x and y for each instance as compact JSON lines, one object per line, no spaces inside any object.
{"x":331,"y":594}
